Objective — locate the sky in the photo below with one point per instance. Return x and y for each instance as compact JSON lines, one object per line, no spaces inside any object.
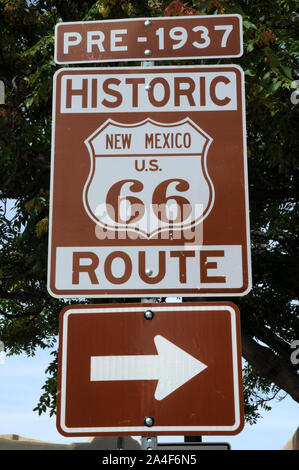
{"x":22,"y":377}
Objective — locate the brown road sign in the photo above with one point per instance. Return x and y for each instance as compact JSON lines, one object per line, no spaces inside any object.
{"x":149,"y":370}
{"x":182,"y":37}
{"x":149,"y":183}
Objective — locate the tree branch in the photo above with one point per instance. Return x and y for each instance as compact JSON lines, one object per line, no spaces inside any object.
{"x":40,"y":161}
{"x":25,"y":296}
{"x":141,"y":7}
{"x":274,"y":342}
{"x":69,"y":9}
{"x":33,"y":313}
{"x":276,"y":235}
{"x":271,"y":366}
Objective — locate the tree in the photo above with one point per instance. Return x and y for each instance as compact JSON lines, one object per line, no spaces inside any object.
{"x":269,"y":313}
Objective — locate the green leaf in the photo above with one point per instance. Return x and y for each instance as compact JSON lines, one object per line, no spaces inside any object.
{"x":287,"y":71}
{"x":275,"y":85}
{"x":203,"y":6}
{"x":250,"y":47}
{"x":274,"y":60}
{"x":249,"y":72}
{"x":235,"y":9}
{"x":29,"y":102}
{"x":249,"y":25}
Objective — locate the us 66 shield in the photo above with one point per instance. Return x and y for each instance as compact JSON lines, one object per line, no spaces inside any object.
{"x":134,"y":188}
{"x":149,"y":183}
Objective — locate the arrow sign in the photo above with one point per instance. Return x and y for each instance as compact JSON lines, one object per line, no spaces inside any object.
{"x":172,"y":367}
{"x":128,"y":367}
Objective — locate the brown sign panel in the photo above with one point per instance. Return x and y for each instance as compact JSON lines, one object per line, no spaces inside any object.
{"x":133,"y":369}
{"x":185,"y":37}
{"x":149,"y":183}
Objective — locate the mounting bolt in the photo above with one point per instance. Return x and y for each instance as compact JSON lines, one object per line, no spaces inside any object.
{"x":149,"y":421}
{"x":147,"y":52}
{"x":147,"y":23}
{"x":148,"y":315}
{"x":148,"y":272}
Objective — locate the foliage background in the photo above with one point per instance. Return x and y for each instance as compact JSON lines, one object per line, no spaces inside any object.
{"x":28,"y":314}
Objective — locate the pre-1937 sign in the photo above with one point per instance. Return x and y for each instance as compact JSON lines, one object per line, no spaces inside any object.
{"x":182,"y":37}
{"x":149,"y":183}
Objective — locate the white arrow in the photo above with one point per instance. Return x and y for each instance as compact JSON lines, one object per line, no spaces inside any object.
{"x":172,"y":367}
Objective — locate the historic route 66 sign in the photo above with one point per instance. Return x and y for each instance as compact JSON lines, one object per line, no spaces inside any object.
{"x":134,"y":187}
{"x":149,"y":183}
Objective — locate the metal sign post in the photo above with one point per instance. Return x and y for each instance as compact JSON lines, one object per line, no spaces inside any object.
{"x":148,"y":442}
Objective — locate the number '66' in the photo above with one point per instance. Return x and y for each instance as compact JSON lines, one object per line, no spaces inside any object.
{"x":159,"y":201}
